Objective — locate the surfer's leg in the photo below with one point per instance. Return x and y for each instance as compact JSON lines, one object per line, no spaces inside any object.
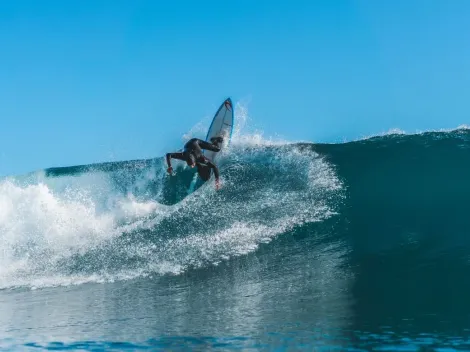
{"x":217,"y":141}
{"x":209,"y":146}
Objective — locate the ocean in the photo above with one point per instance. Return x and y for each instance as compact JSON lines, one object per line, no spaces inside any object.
{"x":354,"y":246}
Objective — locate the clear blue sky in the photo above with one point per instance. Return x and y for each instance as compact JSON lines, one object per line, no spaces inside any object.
{"x":89,"y":81}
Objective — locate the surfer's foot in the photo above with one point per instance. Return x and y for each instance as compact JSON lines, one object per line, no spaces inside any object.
{"x":217,"y":140}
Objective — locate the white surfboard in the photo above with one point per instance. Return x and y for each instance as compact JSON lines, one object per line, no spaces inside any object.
{"x":221,"y":126}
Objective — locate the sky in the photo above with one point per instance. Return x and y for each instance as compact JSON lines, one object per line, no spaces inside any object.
{"x":93,"y":81}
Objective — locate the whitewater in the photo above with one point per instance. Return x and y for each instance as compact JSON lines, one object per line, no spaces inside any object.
{"x":361,"y":245}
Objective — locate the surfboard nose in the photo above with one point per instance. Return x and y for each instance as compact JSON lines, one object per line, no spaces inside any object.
{"x":228,"y":103}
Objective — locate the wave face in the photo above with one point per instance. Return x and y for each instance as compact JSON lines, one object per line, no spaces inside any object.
{"x":406,"y":221}
{"x":397,"y":203}
{"x":116,"y":221}
{"x":370,"y":236}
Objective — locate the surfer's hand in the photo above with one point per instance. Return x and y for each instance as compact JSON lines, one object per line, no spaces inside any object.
{"x":217,"y":185}
{"x":169,"y":170}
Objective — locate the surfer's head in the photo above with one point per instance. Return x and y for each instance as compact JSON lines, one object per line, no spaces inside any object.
{"x":190,"y":159}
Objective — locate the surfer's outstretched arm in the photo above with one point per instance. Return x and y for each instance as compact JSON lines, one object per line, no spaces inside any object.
{"x":216,"y":173}
{"x":179,"y":156}
{"x":215,"y":168}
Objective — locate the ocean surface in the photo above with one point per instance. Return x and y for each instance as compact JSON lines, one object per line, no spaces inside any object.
{"x":356,"y":246}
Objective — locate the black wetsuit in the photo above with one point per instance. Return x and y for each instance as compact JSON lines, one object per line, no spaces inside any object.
{"x":194,"y":147}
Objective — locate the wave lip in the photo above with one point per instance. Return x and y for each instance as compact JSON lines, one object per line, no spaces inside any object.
{"x":461,"y":129}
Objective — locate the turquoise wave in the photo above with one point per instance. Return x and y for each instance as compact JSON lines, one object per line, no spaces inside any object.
{"x":397,"y":203}
{"x":354,"y":246}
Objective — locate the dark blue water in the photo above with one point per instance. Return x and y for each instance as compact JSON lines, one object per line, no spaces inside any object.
{"x":356,"y":246}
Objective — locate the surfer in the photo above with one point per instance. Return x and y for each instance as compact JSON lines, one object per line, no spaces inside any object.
{"x":192,"y":154}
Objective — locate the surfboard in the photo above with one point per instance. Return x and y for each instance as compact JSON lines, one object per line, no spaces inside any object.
{"x":221,"y":126}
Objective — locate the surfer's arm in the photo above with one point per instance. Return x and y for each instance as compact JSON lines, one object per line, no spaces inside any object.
{"x":213,"y":167}
{"x":174,"y":156}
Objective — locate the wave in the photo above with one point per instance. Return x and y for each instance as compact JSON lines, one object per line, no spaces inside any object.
{"x":389,"y":195}
{"x":114,"y":221}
